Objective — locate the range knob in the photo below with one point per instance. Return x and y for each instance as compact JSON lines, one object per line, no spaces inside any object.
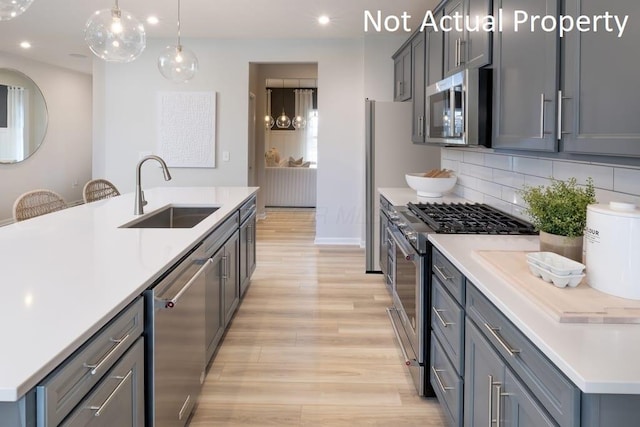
{"x":394,"y":216}
{"x":401,"y":225}
{"x":412,"y":237}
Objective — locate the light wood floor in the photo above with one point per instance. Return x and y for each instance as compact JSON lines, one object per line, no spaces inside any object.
{"x":311,"y":344}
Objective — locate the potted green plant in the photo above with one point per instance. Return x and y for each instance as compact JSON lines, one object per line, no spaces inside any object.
{"x":559,"y":212}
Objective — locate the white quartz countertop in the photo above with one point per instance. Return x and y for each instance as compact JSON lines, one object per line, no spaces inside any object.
{"x":66,"y":274}
{"x":598,"y":358}
{"x":402,"y":195}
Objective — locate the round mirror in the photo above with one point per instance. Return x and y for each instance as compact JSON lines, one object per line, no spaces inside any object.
{"x":23,"y":116}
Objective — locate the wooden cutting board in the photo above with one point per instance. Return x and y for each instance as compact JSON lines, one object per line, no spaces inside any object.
{"x":582,"y":304}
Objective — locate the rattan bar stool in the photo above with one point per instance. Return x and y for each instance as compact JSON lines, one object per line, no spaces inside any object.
{"x":98,"y":189}
{"x":37,"y":202}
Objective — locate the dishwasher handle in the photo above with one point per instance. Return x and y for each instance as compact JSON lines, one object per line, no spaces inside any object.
{"x":173,"y":301}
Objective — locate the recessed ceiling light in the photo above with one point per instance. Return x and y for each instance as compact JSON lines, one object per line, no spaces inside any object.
{"x":323,"y":20}
{"x":152,"y":20}
{"x":25,"y":44}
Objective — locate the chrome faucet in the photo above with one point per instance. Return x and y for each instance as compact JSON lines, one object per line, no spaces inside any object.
{"x":140,"y":201}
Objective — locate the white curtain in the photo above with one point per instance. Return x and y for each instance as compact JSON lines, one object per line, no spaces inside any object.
{"x":307,"y":135}
{"x":16,"y":120}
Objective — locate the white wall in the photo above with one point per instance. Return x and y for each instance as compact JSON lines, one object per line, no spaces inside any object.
{"x":64,"y":158}
{"x":485,"y":176}
{"x":126,"y":94}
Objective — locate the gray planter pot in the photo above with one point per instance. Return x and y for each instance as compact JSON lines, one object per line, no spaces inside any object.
{"x":570,"y":247}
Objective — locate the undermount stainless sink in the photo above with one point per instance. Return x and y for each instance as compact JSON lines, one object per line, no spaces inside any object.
{"x":173,"y":217}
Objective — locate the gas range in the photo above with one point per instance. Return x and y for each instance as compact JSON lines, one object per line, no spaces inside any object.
{"x":417,"y":220}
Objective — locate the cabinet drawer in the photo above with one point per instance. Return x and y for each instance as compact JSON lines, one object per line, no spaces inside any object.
{"x":446,"y":382}
{"x":61,"y":391}
{"x":447,"y":321}
{"x":247,"y":209}
{"x":216,"y":239}
{"x":117,"y":400}
{"x":553,"y":390}
{"x":451,"y":278}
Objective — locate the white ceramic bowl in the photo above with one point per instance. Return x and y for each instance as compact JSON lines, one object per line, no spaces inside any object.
{"x":430,"y":187}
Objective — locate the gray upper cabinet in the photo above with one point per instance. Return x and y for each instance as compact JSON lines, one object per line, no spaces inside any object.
{"x":453,"y":40}
{"x":600,"y":77}
{"x":435,"y":53}
{"x":525,"y":81}
{"x":402,"y":74}
{"x":418,"y":49}
{"x":467,"y":49}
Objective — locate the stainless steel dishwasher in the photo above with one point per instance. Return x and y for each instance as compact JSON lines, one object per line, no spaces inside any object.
{"x":175,"y":321}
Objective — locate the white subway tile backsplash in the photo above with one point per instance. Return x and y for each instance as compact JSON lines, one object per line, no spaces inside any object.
{"x":497,"y":161}
{"x":532,"y":166}
{"x":602,"y":175}
{"x":490,"y":188}
{"x":495,"y":179}
{"x":477,"y":171}
{"x":508,"y":178}
{"x":626,"y":180}
{"x":473,"y":157}
{"x":451,"y":154}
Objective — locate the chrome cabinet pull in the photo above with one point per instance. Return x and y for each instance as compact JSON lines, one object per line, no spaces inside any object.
{"x":407,"y":361}
{"x":439,"y":380}
{"x":542,"y":101}
{"x":184,"y":407}
{"x":119,"y":343}
{"x":441,"y":273}
{"x":100,"y":408}
{"x":498,"y":389}
{"x":494,"y":332}
{"x":440,"y":318}
{"x":455,"y":56}
{"x":460,"y":53}
{"x":173,"y":301}
{"x":560,"y":99}
{"x":493,"y":383}
{"x":224,"y":267}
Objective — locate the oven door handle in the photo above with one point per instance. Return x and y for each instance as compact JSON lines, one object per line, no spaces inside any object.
{"x":406,"y":249}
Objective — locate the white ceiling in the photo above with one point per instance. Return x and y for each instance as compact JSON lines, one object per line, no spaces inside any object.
{"x":55,"y":27}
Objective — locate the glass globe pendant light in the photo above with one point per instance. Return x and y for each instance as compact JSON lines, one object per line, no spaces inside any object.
{"x":115,"y":35}
{"x":268,"y":119}
{"x":177,"y":63}
{"x":283,"y":121}
{"x":299,"y":122}
{"x":10,"y":9}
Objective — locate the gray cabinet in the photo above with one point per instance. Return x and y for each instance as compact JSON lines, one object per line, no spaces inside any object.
{"x":525,"y":81}
{"x":247,"y":244}
{"x":229,"y":271}
{"x":213,"y":313}
{"x":418,"y":48}
{"x":600,"y":102}
{"x":466,"y":49}
{"x":402,"y":73}
{"x":435,"y":53}
{"x":493,"y":395}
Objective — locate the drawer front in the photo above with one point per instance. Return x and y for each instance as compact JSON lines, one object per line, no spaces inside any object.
{"x":61,"y":391}
{"x":451,"y":278}
{"x":216,"y":239}
{"x":447,"y":321}
{"x":447,"y":384}
{"x":117,"y":400}
{"x":552,"y":389}
{"x":247,"y":209}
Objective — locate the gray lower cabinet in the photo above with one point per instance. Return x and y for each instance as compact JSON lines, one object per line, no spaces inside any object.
{"x":493,"y":395}
{"x":247,"y":244}
{"x":525,"y":81}
{"x":118,"y":400}
{"x":599,"y":106}
{"x":213,"y":313}
{"x":102,"y":383}
{"x":229,"y":272}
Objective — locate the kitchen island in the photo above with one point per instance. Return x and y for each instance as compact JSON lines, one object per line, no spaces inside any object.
{"x":68,"y":273}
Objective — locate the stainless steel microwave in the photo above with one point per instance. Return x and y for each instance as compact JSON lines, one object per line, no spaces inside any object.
{"x":458,"y":109}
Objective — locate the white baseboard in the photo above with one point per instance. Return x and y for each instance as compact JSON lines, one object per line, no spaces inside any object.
{"x":352,"y":241}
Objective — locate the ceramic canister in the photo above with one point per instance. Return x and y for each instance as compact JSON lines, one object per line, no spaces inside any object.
{"x":612,"y":249}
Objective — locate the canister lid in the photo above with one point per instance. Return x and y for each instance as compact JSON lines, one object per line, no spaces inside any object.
{"x":621,"y":209}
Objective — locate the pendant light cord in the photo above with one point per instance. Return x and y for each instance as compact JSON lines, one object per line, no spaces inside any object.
{"x":179,"y":24}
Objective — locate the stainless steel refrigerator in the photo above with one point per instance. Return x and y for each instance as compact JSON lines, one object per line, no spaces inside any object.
{"x":389,"y":154}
